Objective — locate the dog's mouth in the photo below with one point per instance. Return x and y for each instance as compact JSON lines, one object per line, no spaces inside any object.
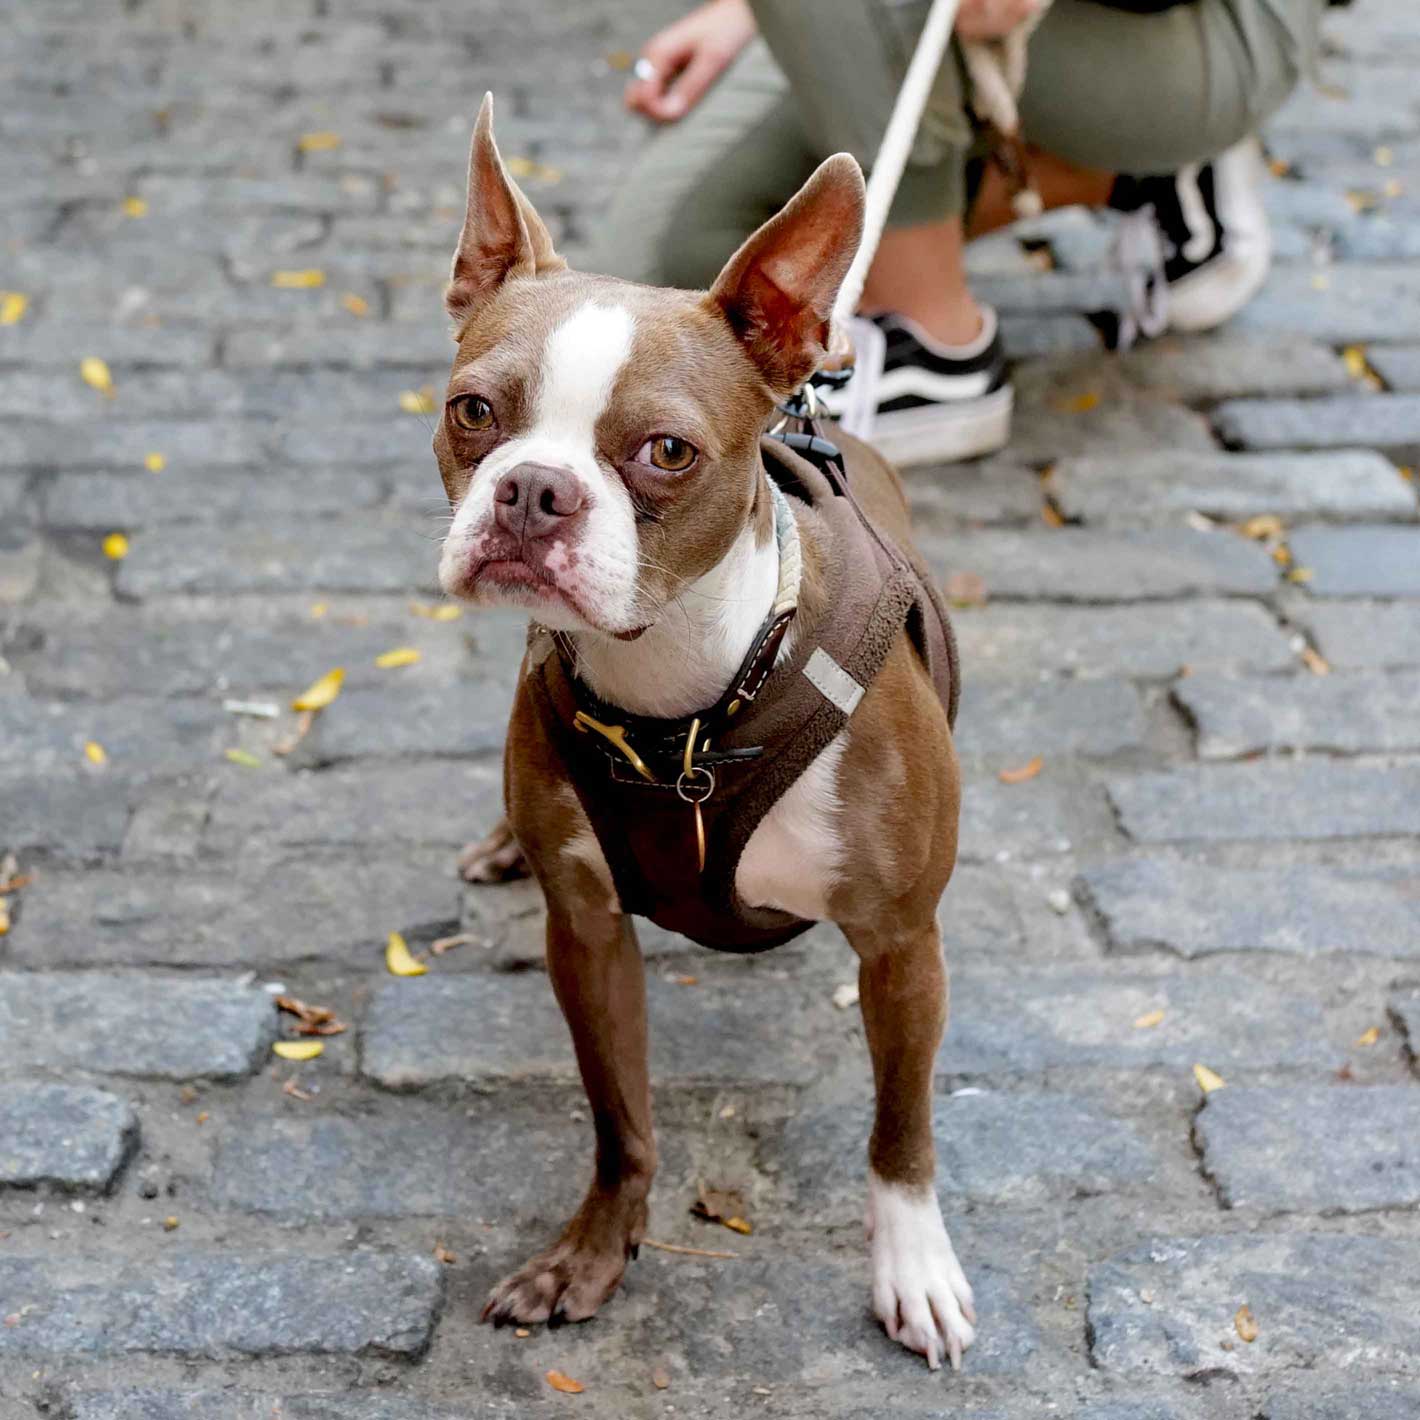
{"x":512,"y":578}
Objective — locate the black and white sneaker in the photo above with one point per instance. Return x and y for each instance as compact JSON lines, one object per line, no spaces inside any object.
{"x":1212,"y":245}
{"x":919,"y":401}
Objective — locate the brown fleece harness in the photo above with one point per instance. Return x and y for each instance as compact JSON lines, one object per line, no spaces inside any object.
{"x":660,"y":792}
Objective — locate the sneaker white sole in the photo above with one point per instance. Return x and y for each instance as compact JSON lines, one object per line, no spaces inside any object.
{"x":1217,"y":291}
{"x":943,"y":433}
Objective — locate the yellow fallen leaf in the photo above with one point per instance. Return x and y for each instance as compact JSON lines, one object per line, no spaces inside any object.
{"x":738,"y":1225}
{"x":1025,"y":772}
{"x":1383,"y":156}
{"x":356,"y":305}
{"x":4,"y":916}
{"x":1208,"y":1080}
{"x":564,"y":1383}
{"x":13,"y":305}
{"x":400,"y":656}
{"x":1393,"y":188}
{"x":1300,"y":575}
{"x":1050,"y":516}
{"x":134,"y":207}
{"x":96,"y":372}
{"x":417,"y":401}
{"x":94,"y":752}
{"x":321,"y":142}
{"x":620,"y":59}
{"x":398,"y":959}
{"x":1245,"y":1324}
{"x":297,"y":280}
{"x":115,"y":546}
{"x":1282,"y":555}
{"x":1279,"y":167}
{"x":531,"y":168}
{"x":1354,"y":358}
{"x":1369,"y":1037}
{"x":155,"y":463}
{"x":1315,"y":662}
{"x":244,"y":757}
{"x":320,"y":693}
{"x":446,"y":613}
{"x":1321,"y":282}
{"x":297,"y":1049}
{"x":1149,"y":1020}
{"x":1080,"y":403}
{"x":1360,"y":201}
{"x":319,"y":609}
{"x":1264,"y":525}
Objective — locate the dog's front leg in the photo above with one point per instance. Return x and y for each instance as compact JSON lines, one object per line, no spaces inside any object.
{"x":919,"y":1291}
{"x":596,"y":971}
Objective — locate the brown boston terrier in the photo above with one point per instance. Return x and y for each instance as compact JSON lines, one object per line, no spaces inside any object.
{"x":734,"y":715}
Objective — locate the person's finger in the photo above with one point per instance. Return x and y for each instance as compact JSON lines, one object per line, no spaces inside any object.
{"x":662,"y":55}
{"x":689,"y":85}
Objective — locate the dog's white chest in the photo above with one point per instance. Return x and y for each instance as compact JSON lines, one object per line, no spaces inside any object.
{"x":794,"y":857}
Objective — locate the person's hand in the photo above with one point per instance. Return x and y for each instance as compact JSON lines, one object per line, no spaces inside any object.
{"x":685,"y":58}
{"x":990,"y":19}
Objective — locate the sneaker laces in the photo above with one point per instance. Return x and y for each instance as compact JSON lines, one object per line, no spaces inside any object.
{"x":1137,"y":253}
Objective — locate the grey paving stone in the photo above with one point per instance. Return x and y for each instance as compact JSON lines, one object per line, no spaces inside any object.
{"x":1196,"y":909}
{"x":1313,"y":1149}
{"x":508,"y":1027}
{"x":1382,"y":1400}
{"x":138,"y":736}
{"x":1335,"y":1302}
{"x":1383,"y":421}
{"x":354,"y":442}
{"x":1090,"y":717}
{"x":1397,"y":365}
{"x":178,"y":1028}
{"x":1347,"y":714}
{"x":67,"y":1136}
{"x":1214,"y":367}
{"x":1025,"y":336}
{"x":144,"y":1404}
{"x":61,"y":345}
{"x":415,"y":344}
{"x":339,"y":556}
{"x":244,"y":195}
{"x":222,"y":1305}
{"x":1024,"y":642}
{"x":465,"y":719}
{"x":969,"y":494}
{"x":69,"y":816}
{"x":253,"y":910}
{"x":1079,"y":564}
{"x":1360,"y":562}
{"x":123,"y":443}
{"x":1163,"y":488}
{"x":1044,"y":816}
{"x":235,"y":651}
{"x":98,"y":502}
{"x":1358,"y":303}
{"x":1077,"y":1019}
{"x":991,"y":1148}
{"x":1042,"y":433}
{"x":1306,"y":799}
{"x":434,"y":803}
{"x":1365,"y":635}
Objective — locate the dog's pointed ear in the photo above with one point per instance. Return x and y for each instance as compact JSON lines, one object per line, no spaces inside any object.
{"x":502,"y":234}
{"x":778,"y":289}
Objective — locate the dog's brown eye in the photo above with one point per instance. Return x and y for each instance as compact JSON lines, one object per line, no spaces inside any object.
{"x":472,"y":413}
{"x":667,"y":452}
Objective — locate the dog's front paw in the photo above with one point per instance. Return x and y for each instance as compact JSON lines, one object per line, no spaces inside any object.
{"x":566,"y":1283}
{"x":494,"y":859}
{"x":920,"y":1293}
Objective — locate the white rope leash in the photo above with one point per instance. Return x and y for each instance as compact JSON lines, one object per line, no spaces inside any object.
{"x":893,"y":151}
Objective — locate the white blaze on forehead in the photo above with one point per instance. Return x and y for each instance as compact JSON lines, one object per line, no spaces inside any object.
{"x":580,"y":363}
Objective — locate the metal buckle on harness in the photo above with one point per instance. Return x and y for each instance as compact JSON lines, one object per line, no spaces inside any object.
{"x":616,"y":735}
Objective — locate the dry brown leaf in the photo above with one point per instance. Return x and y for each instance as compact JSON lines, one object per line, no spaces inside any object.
{"x":1282,"y":555}
{"x":1245,"y":1324}
{"x":966,"y":589}
{"x":4,"y":916}
{"x":1079,"y":403}
{"x":1149,"y":1020}
{"x":717,"y":1204}
{"x":203,"y":1117}
{"x":620,"y":60}
{"x":446,"y":944}
{"x":304,"y":721}
{"x":1315,"y":662}
{"x":314,"y":1020}
{"x":295,"y":1091}
{"x":1050,"y":515}
{"x":683,"y":979}
{"x":660,"y":1377}
{"x":688,"y":1251}
{"x":564,"y":1383}
{"x":522,"y":1333}
{"x":1022,"y":774}
{"x":442,"y":1254}
{"x":1369,"y":1037}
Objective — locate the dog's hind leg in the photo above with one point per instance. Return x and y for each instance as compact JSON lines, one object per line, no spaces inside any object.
{"x":919,"y":1291}
{"x":495,"y":858}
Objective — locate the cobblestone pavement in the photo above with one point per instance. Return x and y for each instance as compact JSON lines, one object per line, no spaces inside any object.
{"x":1215,"y":866}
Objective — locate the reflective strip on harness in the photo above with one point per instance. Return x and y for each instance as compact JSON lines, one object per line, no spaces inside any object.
{"x":832,"y":681}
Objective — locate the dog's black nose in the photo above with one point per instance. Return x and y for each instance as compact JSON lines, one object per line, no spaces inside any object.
{"x":534,"y":500}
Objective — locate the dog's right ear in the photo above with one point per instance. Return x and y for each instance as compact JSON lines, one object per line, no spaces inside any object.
{"x":502,"y":234}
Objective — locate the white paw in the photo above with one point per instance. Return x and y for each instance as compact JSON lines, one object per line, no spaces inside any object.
{"x":920,"y":1293}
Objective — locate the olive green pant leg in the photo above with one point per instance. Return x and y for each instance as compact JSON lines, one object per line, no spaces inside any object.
{"x":701,"y":185}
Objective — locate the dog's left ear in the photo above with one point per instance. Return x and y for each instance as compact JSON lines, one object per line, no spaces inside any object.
{"x":502,"y":234}
{"x":778,"y":289}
